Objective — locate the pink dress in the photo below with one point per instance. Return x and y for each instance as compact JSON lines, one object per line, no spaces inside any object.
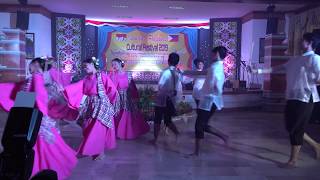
{"x":51,"y":152}
{"x":97,"y":112}
{"x":130,"y":123}
{"x":59,"y":108}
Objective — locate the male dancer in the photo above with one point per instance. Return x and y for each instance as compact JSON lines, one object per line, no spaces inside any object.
{"x":211,"y":98}
{"x":169,"y":88}
{"x":303,"y":73}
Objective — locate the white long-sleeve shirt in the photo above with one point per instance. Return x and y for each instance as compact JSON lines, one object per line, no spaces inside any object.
{"x":198,"y":84}
{"x":212,"y":89}
{"x":302,"y":74}
{"x":166,"y":86}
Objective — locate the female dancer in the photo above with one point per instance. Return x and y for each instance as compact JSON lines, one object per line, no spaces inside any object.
{"x":97,"y":111}
{"x":130,"y":123}
{"x":55,"y":82}
{"x":51,"y":152}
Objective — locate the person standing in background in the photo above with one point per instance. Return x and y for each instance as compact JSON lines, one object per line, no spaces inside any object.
{"x":198,"y":82}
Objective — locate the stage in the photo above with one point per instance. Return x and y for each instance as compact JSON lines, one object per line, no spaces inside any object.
{"x":258,"y":143}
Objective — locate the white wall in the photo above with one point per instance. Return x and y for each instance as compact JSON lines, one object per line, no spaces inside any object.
{"x":39,"y":25}
{"x":252,"y":31}
{"x":4,"y":20}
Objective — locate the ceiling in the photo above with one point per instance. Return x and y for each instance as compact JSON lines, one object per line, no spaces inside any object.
{"x":159,"y":11}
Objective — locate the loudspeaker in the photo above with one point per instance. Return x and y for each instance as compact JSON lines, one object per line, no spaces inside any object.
{"x":19,"y":137}
{"x":21,"y":129}
{"x":272,"y":25}
{"x":16,"y":166}
{"x":22,"y":20}
{"x":272,"y":22}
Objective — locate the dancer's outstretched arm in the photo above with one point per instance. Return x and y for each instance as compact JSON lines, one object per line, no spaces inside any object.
{"x":276,"y":69}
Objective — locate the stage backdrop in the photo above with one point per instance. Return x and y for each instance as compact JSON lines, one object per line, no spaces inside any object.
{"x":146,"y":48}
{"x":68,"y":31}
{"x":227,"y":33}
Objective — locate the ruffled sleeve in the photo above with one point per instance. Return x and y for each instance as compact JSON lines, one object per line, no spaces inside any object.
{"x":10,"y":90}
{"x":8,"y":94}
{"x":74,"y":94}
{"x":59,"y":77}
{"x":38,"y":87}
{"x":111,"y":89}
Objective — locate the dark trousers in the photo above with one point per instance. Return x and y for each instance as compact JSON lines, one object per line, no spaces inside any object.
{"x":162,"y":113}
{"x":297,"y":115}
{"x":202,"y":122}
{"x":315,"y":118}
{"x":197,"y":102}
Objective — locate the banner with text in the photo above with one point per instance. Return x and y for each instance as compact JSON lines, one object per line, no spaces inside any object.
{"x":143,"y":51}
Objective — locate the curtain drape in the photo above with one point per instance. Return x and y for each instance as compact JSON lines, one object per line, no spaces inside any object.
{"x":300,"y":24}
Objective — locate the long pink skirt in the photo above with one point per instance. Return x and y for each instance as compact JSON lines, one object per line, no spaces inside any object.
{"x":131,"y":126}
{"x":61,"y":110}
{"x":57,"y":156}
{"x":96,"y":138}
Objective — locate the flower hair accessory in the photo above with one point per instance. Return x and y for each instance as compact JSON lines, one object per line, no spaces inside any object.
{"x":47,"y":62}
{"x":95,"y":62}
{"x":48,"y":59}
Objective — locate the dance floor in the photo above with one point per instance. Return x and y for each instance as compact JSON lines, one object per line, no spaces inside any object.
{"x":258,"y":143}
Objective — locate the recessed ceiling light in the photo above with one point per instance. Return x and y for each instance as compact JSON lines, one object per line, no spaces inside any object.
{"x":171,"y":18}
{"x":125,"y":17}
{"x":120,"y":6}
{"x":176,"y":7}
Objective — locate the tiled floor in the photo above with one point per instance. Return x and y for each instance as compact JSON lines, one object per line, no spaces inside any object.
{"x":258,"y":144}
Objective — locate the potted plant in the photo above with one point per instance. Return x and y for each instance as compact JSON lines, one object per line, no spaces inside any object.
{"x":146,"y":102}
